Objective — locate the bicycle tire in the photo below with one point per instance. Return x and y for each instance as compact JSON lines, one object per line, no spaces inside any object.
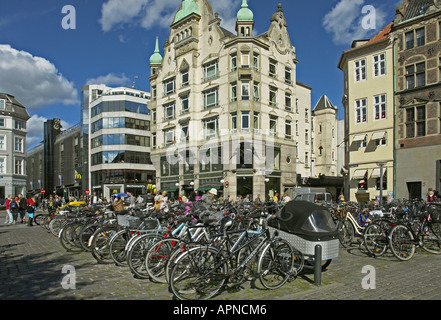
{"x":375,"y":239}
{"x":276,"y":264}
{"x":136,"y":254}
{"x":100,"y":244}
{"x":85,"y":233}
{"x":346,"y":234}
{"x":69,"y":237}
{"x":118,"y":246}
{"x":432,"y":238}
{"x":39,"y":218}
{"x":401,"y":242}
{"x":55,"y":226}
{"x":198,"y":274}
{"x":157,"y":257}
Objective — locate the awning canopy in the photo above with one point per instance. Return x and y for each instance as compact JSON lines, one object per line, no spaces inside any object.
{"x":376,"y":173}
{"x":359,"y":137}
{"x":378,"y":135}
{"x":359,"y":174}
{"x":206,"y":189}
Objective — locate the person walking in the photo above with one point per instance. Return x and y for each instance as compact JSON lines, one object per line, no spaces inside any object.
{"x":22,"y":208}
{"x":9,"y":218}
{"x":13,"y":208}
{"x":30,"y":209}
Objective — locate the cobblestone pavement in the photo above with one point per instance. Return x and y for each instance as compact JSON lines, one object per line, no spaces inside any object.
{"x":32,"y":260}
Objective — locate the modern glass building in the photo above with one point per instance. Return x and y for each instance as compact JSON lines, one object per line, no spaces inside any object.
{"x":119,"y":141}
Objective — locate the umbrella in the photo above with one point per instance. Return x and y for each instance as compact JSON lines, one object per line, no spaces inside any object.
{"x":121,"y":195}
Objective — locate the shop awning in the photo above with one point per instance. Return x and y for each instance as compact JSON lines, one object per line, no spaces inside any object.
{"x":359,"y":174}
{"x":359,"y":137}
{"x":206,"y":189}
{"x":378,"y":135}
{"x":376,"y":173}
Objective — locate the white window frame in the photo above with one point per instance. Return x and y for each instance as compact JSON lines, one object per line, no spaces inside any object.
{"x":288,"y":101}
{"x":360,"y":70}
{"x":288,"y":124}
{"x":234,"y":122}
{"x":187,"y":74}
{"x":379,"y":63}
{"x":2,"y":104}
{"x":233,"y":62}
{"x":19,"y":162}
{"x":2,"y":165}
{"x":171,"y":106}
{"x":185,"y":102}
{"x":245,"y":121}
{"x":169,"y":137}
{"x":208,"y":133}
{"x":245,"y":59}
{"x":211,"y":70}
{"x":3,"y":143}
{"x":216,"y":96}
{"x":361,"y":110}
{"x":169,"y":90}
{"x":20,"y":141}
{"x":245,"y":90}
{"x":380,"y":107}
{"x":256,"y":122}
{"x":2,"y":122}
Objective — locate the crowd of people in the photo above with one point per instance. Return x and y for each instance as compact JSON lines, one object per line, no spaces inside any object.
{"x":18,"y":208}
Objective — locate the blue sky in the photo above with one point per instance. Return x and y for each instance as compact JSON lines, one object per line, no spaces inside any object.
{"x":45,"y":66}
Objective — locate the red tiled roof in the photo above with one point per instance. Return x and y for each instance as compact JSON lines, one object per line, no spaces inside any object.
{"x":382,"y":35}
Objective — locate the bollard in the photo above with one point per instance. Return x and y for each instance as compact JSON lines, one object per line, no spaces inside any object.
{"x":318,"y":265}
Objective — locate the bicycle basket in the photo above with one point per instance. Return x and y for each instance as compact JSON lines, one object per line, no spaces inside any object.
{"x":150,"y":223}
{"x":129,"y":221}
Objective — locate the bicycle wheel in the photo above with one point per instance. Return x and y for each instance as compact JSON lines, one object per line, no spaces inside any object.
{"x":55,"y":226}
{"x":84,"y":235}
{"x":401,"y":242}
{"x":432,"y":238}
{"x":276,"y":264}
{"x":137,"y":252}
{"x":117,"y":247}
{"x":39,"y":218}
{"x":69,"y":237}
{"x":198,"y":274}
{"x":157,"y":257}
{"x":346,"y":234}
{"x":100,"y":244}
{"x":375,"y":239}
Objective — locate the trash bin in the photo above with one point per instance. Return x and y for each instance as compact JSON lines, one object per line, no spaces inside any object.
{"x":306,"y":225}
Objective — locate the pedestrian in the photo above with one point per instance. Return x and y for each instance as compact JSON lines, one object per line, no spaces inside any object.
{"x":30,"y":209}
{"x":13,"y":207}
{"x":258,"y":200}
{"x":22,"y":208}
{"x":9,"y":218}
{"x":431,"y":196}
{"x":209,"y":199}
{"x":286,"y":198}
{"x":118,"y":204}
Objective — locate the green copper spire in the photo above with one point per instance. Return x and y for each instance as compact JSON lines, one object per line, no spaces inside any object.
{"x":156,"y":58}
{"x":245,"y":14}
{"x":188,"y":7}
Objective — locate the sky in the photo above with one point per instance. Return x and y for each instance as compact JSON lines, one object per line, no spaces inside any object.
{"x":49,"y":49}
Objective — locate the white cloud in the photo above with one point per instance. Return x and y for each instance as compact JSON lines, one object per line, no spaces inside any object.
{"x":153,"y":13}
{"x":35,"y":130}
{"x":34,"y":81}
{"x":111,"y":80}
{"x":344,"y":22}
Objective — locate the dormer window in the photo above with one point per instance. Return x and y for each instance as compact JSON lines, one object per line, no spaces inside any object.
{"x":2,"y":104}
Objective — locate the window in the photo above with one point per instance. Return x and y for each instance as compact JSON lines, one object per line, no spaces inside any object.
{"x":416,"y":122}
{"x":211,"y":128}
{"x":288,"y":102}
{"x":307,"y":137}
{"x":154,"y":116}
{"x":256,"y":122}
{"x":169,"y":87}
{"x":416,"y":75}
{"x":19,"y":166}
{"x":245,"y":90}
{"x":245,"y":121}
{"x":2,"y":143}
{"x":381,"y":142}
{"x":256,"y":90}
{"x":154,"y":93}
{"x":439,"y":71}
{"x":169,"y":137}
{"x":360,"y":110}
{"x":233,"y":62}
{"x":2,"y":165}
{"x":234,"y":92}
{"x":273,"y":125}
{"x":169,"y":111}
{"x":380,"y":107}
{"x":362,"y":143}
{"x":360,"y":70}
{"x":379,"y":65}
{"x":211,"y":98}
{"x":273,"y":96}
{"x":234,"y":122}
{"x":184,"y":78}
{"x":306,"y":115}
{"x":288,"y":129}
{"x":18,"y":144}
{"x":420,"y":37}
{"x":211,"y":71}
{"x":245,"y":59}
{"x":410,"y":42}
{"x":154,"y":140}
{"x":288,"y":75}
{"x":185,"y":105}
{"x":20,"y":125}
{"x":273,"y":68}
{"x":184,"y":132}
{"x":2,"y":104}
{"x":2,"y":122}
{"x":256,"y":61}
